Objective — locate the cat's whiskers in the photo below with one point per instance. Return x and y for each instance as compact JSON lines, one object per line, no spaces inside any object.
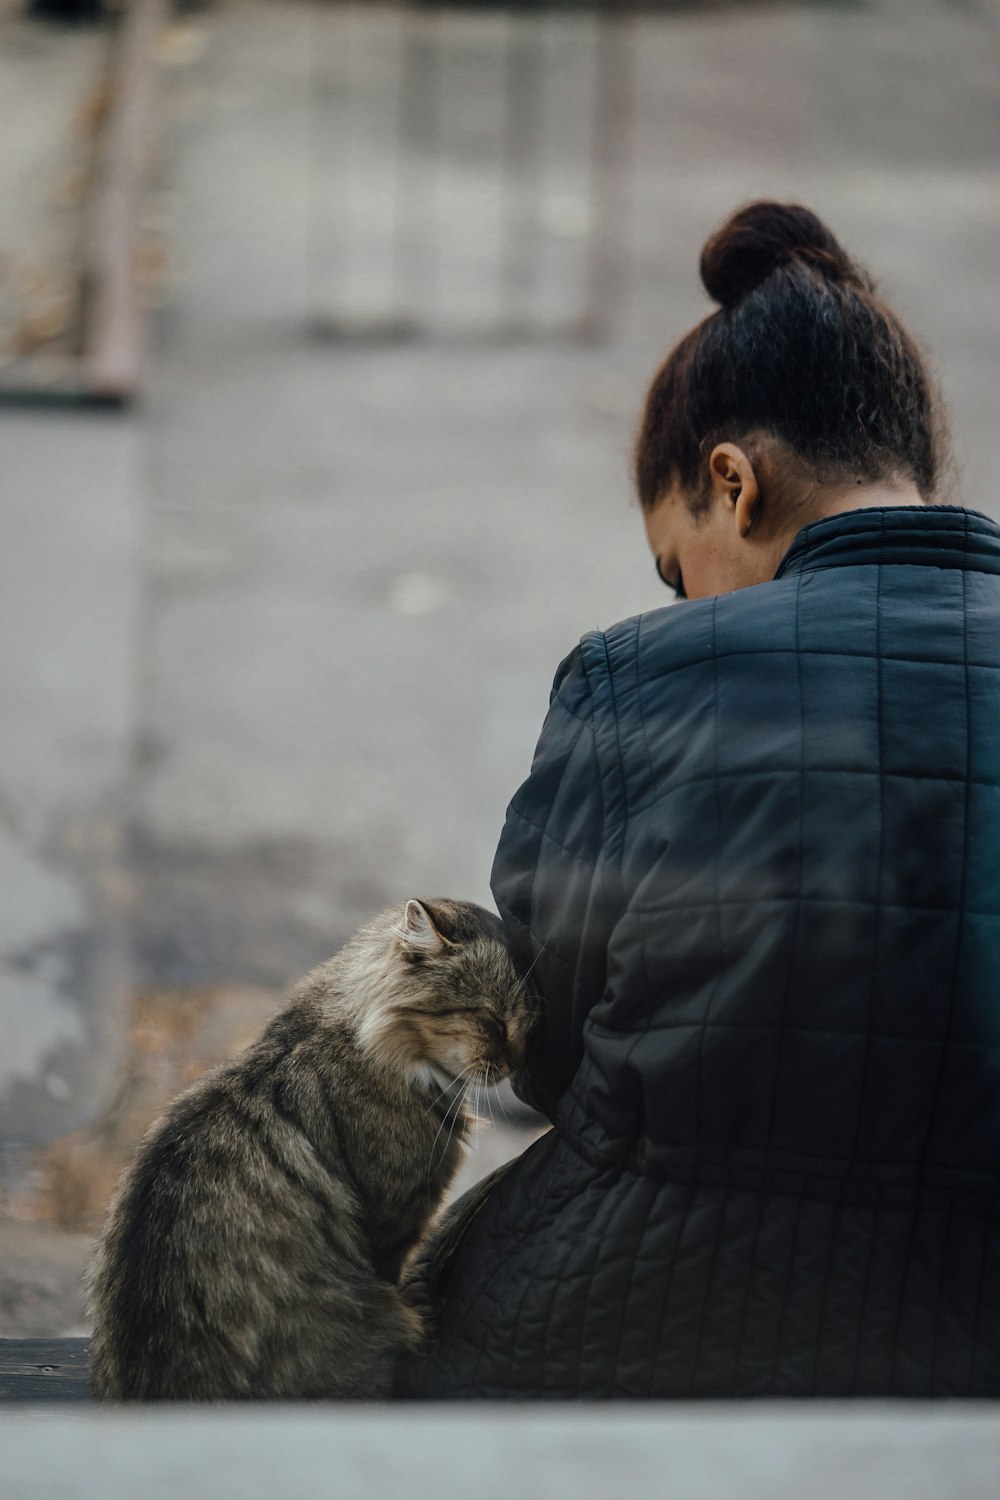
{"x":458,"y":1116}
{"x":503,"y":1108}
{"x":456,"y":1079}
{"x":476,"y":1115}
{"x":455,"y":1105}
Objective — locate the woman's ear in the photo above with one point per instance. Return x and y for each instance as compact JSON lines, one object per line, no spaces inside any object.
{"x":419,"y":936}
{"x":735,"y":484}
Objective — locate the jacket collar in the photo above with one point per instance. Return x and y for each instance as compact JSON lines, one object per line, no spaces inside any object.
{"x":937,"y":536}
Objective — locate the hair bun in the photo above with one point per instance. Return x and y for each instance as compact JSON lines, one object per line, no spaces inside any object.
{"x":760,"y":238}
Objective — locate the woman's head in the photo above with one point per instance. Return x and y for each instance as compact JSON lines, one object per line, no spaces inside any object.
{"x":801,"y":395}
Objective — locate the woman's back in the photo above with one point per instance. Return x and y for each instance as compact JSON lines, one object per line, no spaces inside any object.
{"x":755,"y":866}
{"x":809,"y":852}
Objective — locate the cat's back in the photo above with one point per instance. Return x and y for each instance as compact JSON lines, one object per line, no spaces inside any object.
{"x":228,"y":1209}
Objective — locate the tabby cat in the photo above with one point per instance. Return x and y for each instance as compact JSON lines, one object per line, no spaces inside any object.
{"x":254,"y":1248}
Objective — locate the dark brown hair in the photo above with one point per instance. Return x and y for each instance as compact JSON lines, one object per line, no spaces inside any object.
{"x":802,"y":348}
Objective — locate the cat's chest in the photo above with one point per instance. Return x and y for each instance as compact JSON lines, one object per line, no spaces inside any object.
{"x":422,"y":1145}
{"x":410,"y":1166}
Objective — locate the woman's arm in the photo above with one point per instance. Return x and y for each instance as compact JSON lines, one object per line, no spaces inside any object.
{"x":550,"y":884}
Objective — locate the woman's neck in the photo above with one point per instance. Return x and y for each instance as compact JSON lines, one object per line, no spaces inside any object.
{"x":834,"y":500}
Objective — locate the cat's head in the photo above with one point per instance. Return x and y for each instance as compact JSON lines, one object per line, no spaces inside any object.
{"x":455,"y":1007}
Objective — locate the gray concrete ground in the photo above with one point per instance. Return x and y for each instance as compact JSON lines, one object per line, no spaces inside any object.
{"x":757,"y":1451}
{"x":275,"y":649}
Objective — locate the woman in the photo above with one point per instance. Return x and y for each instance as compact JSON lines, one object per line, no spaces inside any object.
{"x":754,"y":872}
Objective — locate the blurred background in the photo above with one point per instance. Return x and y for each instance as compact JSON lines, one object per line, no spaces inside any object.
{"x":324,"y":329}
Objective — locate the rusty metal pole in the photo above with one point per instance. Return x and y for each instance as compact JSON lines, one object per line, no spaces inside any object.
{"x":112,"y":324}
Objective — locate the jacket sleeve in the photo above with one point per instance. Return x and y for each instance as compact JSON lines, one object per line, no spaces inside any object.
{"x":550,"y":884}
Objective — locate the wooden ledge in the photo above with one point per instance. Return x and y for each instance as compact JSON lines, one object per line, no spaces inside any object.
{"x":42,"y":1371}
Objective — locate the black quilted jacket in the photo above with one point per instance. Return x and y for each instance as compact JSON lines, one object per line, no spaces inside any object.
{"x":757,"y":868}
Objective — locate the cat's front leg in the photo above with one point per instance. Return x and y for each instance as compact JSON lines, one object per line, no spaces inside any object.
{"x":398,"y":1314}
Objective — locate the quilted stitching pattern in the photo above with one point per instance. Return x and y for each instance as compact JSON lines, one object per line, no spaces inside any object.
{"x":756,"y":863}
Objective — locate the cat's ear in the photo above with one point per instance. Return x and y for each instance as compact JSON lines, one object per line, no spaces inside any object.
{"x":420,"y":937}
